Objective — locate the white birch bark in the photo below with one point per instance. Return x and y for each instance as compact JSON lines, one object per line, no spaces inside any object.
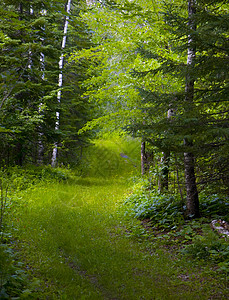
{"x":30,"y":52}
{"x":42,"y":56}
{"x":42,"y":61}
{"x":60,"y":81}
{"x":40,"y":133}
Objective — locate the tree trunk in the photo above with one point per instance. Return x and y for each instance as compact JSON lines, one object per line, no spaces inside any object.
{"x":163,"y":184}
{"x":143,"y":157}
{"x":164,"y":174}
{"x":192,"y":200}
{"x":19,"y":154}
{"x":60,"y":81}
{"x":40,"y":151}
{"x":146,"y":159}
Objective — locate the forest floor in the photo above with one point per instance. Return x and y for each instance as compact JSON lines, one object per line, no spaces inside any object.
{"x":75,"y":243}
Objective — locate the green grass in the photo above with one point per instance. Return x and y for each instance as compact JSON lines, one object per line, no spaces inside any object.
{"x":75,"y":243}
{"x":113,"y":157}
{"x":74,"y":240}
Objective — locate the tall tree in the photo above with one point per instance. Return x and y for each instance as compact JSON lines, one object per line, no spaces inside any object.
{"x":60,"y":81}
{"x":192,"y":200}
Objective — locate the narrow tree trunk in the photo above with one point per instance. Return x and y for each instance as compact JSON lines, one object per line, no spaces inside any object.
{"x":19,"y":155}
{"x":164,"y":174}
{"x":192,"y":201}
{"x":143,"y":157}
{"x":146,"y":159}
{"x":163,"y":184}
{"x":60,"y":81}
{"x":40,"y":151}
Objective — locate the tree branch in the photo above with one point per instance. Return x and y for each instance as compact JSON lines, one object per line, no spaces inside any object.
{"x":10,"y":91}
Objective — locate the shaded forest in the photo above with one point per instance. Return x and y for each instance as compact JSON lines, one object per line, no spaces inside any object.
{"x":127,"y":100}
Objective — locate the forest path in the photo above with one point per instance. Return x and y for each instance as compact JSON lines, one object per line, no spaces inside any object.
{"x":75,"y":241}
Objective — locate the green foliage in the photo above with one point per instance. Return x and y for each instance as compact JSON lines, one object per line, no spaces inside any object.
{"x":165,"y":214}
{"x":139,"y":68}
{"x":209,"y":246}
{"x":168,"y":210}
{"x":30,"y":48}
{"x":214,"y":206}
{"x":164,"y":211}
{"x":18,"y":178}
{"x":14,"y":280}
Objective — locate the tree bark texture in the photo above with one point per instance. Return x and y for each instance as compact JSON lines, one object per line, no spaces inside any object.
{"x":192,"y":200}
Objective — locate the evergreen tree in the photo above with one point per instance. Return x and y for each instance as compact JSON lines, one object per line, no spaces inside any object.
{"x":204,"y":117}
{"x":30,"y":49}
{"x":201,"y":114}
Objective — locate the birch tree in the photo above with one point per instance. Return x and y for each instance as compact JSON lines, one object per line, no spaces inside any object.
{"x":60,"y":81}
{"x":192,"y":200}
{"x":40,"y":133}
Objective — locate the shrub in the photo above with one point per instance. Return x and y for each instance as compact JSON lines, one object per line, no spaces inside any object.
{"x":18,"y":178}
{"x":214,"y":206}
{"x":163,"y":210}
{"x":15,"y":282}
{"x":209,"y":246}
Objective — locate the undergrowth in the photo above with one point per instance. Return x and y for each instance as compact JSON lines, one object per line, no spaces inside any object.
{"x":15,"y":280}
{"x":19,"y":178}
{"x":164,"y":218}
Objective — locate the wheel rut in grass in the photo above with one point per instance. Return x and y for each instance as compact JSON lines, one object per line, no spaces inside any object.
{"x":97,"y":247}
{"x":78,"y":241}
{"x":91,"y":278}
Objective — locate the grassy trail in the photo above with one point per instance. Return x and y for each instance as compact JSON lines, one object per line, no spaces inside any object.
{"x":75,"y":244}
{"x":75,"y":241}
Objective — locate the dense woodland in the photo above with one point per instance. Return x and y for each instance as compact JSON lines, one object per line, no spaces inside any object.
{"x":76,"y":73}
{"x":32,"y":34}
{"x":157,"y":71}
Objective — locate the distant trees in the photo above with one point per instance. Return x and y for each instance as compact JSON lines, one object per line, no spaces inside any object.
{"x":30,"y":49}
